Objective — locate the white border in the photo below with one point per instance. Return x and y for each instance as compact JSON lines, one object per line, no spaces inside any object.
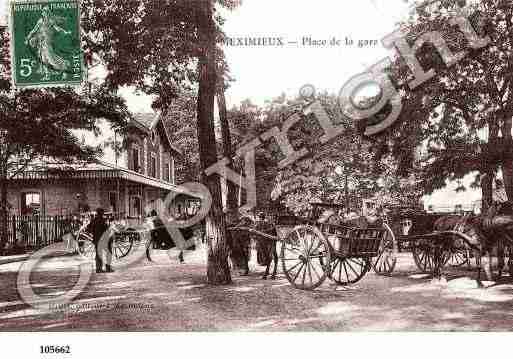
{"x":14,"y":85}
{"x":310,"y":345}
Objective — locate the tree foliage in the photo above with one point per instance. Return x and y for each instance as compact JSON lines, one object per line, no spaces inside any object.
{"x":460,"y":120}
{"x":180,"y":120}
{"x":343,"y":171}
{"x":152,"y":45}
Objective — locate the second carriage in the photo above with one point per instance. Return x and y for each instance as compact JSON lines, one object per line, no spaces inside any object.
{"x":431,"y":250}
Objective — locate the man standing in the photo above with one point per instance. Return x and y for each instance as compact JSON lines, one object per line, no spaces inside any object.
{"x":98,"y":227}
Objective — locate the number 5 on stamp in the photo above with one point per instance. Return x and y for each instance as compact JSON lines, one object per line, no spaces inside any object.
{"x":45,"y":43}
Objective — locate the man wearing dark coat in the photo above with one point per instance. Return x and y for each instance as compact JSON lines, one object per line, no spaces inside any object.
{"x":97,"y":228}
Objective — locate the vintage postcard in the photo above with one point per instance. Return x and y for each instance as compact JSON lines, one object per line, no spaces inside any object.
{"x":255,"y":166}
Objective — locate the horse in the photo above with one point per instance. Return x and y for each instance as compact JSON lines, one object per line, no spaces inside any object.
{"x":498,"y":223}
{"x":478,"y":241}
{"x":239,"y":243}
{"x":266,"y":248}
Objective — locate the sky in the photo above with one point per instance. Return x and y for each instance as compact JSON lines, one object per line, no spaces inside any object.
{"x":262,"y":73}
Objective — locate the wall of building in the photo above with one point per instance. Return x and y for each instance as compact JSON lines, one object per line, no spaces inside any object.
{"x":137,"y":140}
{"x":153,"y":151}
{"x":125,"y":159}
{"x":66,"y":197}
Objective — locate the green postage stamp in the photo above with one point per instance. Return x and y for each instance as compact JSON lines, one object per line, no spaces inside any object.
{"x":45,"y":43}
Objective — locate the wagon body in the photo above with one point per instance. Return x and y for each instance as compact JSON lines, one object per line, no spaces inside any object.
{"x":431,"y":250}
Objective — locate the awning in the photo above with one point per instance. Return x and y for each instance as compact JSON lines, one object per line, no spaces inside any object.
{"x":94,"y":171}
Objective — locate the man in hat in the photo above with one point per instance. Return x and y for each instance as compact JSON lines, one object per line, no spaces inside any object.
{"x":98,"y":227}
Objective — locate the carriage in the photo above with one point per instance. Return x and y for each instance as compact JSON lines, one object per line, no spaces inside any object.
{"x":125,"y":240}
{"x":311,"y":251}
{"x":431,"y":250}
{"x":78,"y":238}
{"x":127,"y":236}
{"x":153,"y":234}
{"x":161,"y":239}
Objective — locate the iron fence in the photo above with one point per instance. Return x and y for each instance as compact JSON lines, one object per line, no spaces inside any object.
{"x":35,"y":232}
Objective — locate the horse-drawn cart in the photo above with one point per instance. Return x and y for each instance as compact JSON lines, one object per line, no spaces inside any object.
{"x":425,"y":243}
{"x":124,"y":241}
{"x":312,"y":250}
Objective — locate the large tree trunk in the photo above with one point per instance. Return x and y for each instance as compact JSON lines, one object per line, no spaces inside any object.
{"x":238,"y":248}
{"x":218,"y":271}
{"x":486,"y":190}
{"x":507,"y":165}
{"x":487,"y":172}
{"x":346,"y":191}
{"x":231,"y":200}
{"x":507,"y":176}
{"x":4,"y":220}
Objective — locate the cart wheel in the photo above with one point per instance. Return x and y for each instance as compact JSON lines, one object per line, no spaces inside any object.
{"x":457,"y":254}
{"x":423,"y":258}
{"x":387,"y":254}
{"x":122,"y":245}
{"x":458,"y":257}
{"x":345,"y":271}
{"x":86,"y":246}
{"x":305,"y":254}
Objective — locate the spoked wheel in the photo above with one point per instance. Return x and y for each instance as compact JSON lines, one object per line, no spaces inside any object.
{"x":457,"y":254}
{"x":86,"y":246}
{"x":386,"y":260}
{"x":122,"y":245}
{"x":424,"y":258}
{"x":305,"y":255}
{"x":345,"y":271}
{"x":458,"y":257}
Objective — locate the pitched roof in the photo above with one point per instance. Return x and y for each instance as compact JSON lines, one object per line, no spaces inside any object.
{"x":148,"y":122}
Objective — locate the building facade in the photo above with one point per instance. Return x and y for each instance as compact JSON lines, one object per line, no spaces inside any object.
{"x":135,"y":174}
